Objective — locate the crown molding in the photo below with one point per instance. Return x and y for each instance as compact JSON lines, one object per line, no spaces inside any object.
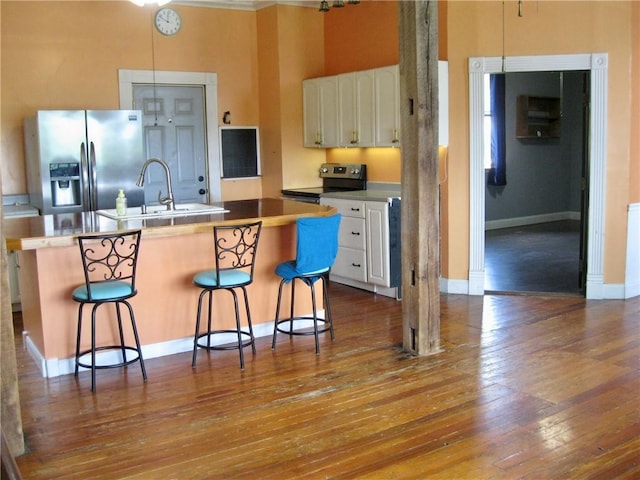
{"x":248,"y":5}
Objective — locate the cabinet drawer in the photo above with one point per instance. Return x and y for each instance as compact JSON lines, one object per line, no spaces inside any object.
{"x":350,"y":263}
{"x":352,"y":233}
{"x":347,"y":208}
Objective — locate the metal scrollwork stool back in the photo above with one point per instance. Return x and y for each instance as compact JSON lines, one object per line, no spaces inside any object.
{"x":235,"y":253}
{"x":109,"y":263}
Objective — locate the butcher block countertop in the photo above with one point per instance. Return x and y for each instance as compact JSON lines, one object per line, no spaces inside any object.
{"x":61,"y":230}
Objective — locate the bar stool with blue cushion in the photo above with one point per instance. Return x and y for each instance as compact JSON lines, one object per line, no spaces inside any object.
{"x":109,"y":263}
{"x":235,"y":253}
{"x":316,"y":249}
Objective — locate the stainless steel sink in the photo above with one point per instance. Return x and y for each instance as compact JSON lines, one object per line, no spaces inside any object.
{"x":160,"y":211}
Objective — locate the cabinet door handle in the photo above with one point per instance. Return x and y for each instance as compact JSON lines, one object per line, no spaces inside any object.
{"x":356,"y":265}
{"x":355,"y":233}
{"x":355,"y":209}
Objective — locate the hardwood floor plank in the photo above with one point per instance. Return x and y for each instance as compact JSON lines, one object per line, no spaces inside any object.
{"x":526,"y":387}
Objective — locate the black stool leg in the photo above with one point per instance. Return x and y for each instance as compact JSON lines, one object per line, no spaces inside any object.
{"x":315,"y":316}
{"x":119,"y":317}
{"x":137,"y":339}
{"x":327,"y":308}
{"x":80,"y":307}
{"x":293,"y":302}
{"x":195,"y":336}
{"x":209,"y":319}
{"x":275,"y":324}
{"x":246,"y":305}
{"x":93,"y":347}
{"x":240,"y":349}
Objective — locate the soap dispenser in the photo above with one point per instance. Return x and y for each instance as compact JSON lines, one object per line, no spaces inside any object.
{"x":121,"y":204}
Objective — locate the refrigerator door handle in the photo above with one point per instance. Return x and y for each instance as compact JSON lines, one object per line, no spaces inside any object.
{"x":84,"y":169}
{"x":94,"y":179}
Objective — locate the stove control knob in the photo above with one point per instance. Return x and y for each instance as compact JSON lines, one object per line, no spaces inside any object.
{"x":355,"y":171}
{"x":324,"y":170}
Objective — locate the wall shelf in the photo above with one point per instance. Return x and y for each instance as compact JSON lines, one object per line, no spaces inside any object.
{"x":538,"y":117}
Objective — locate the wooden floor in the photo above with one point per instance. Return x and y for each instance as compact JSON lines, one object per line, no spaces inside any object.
{"x":528,"y":387}
{"x":540,"y":258}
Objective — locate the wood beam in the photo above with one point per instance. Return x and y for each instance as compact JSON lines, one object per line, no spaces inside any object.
{"x":418,"y":34}
{"x":10,"y":418}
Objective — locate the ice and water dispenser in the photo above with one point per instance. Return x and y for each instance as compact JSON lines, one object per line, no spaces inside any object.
{"x":65,"y":184}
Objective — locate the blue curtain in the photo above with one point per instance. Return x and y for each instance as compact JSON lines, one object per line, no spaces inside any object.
{"x":498,"y":171}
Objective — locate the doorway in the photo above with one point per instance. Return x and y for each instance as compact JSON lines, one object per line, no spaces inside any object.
{"x":596,"y":66}
{"x":173,"y":130}
{"x":534,"y":208}
{"x":209,"y":82}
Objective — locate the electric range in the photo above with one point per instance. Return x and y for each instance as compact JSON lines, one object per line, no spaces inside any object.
{"x":336,"y":177}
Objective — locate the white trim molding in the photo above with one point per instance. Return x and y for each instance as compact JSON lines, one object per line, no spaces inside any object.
{"x":126,"y":80}
{"x":597,"y":65}
{"x":632,"y":273}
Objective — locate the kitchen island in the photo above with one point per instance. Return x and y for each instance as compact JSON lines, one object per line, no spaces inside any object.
{"x":172,"y":251}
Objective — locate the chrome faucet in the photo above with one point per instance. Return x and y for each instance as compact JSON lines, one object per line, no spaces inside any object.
{"x":168,"y":200}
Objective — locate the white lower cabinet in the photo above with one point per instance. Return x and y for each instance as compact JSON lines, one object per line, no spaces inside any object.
{"x":351,"y":261}
{"x":377,"y":221}
{"x":363,"y":245}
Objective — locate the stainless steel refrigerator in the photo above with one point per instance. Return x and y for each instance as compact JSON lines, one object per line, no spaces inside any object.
{"x":77,"y":160}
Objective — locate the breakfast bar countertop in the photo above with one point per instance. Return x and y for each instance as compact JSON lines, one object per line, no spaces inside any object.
{"x":172,"y":250}
{"x":60,"y":230}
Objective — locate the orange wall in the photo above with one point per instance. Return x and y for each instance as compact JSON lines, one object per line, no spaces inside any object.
{"x":569,"y":27}
{"x":634,"y":177}
{"x":475,"y":29}
{"x":46,"y":47}
{"x":66,"y":55}
{"x":361,"y":37}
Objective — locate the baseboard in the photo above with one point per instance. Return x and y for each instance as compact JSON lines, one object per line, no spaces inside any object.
{"x":54,"y":367}
{"x":392,"y":292}
{"x":453,"y":286}
{"x":530,"y":220}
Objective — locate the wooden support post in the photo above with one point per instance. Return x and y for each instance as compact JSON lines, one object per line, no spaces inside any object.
{"x":10,"y":418}
{"x":418,"y":24}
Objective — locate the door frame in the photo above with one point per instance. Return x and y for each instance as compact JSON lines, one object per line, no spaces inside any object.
{"x":597,"y":65}
{"x":209,"y":80}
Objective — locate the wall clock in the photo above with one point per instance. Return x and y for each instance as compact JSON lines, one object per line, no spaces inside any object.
{"x":168,"y":21}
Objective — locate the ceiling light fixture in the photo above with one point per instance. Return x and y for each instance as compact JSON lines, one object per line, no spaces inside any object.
{"x":142,"y":3}
{"x":324,"y":4}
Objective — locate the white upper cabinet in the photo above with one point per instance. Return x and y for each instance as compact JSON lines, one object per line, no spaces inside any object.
{"x":356,"y":109}
{"x":387,"y":115}
{"x":362,"y":109}
{"x":320,"y":107}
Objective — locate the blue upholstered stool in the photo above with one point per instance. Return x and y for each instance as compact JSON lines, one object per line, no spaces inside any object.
{"x":316,"y":249}
{"x":235,"y":252}
{"x":109,"y":263}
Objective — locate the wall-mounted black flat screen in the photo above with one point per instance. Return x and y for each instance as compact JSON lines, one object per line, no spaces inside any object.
{"x":240,"y":150}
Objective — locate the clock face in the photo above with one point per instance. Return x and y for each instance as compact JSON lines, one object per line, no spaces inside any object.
{"x":168,"y":21}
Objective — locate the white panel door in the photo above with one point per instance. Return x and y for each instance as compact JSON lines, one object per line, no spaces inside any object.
{"x":174,"y":130}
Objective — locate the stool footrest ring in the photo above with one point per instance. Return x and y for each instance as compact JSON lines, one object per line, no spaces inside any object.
{"x":325,"y":328}
{"x":114,"y":348}
{"x":230,"y":346}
